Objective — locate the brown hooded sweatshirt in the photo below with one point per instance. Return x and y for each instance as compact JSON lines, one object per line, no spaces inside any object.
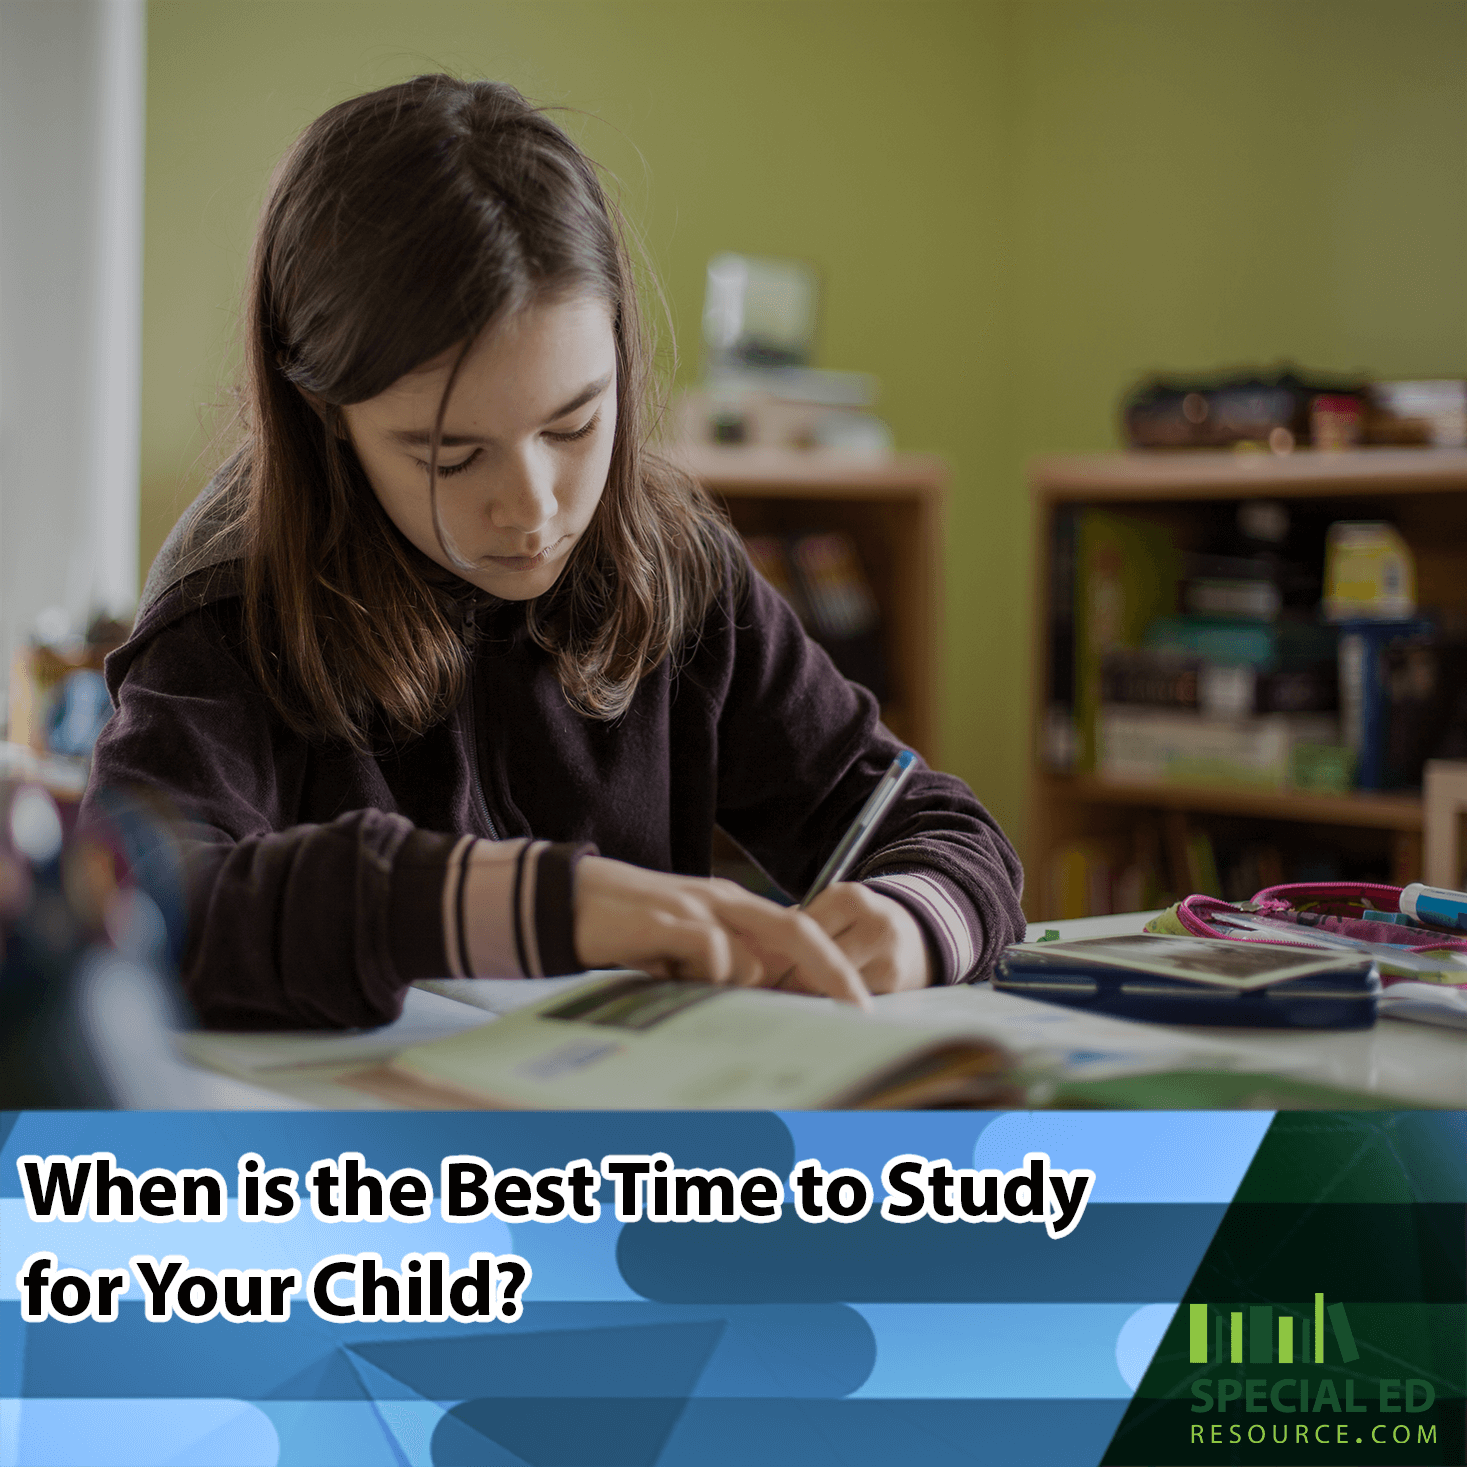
{"x":324,"y":880}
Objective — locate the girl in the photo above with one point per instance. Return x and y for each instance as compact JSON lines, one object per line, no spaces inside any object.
{"x":450,"y":673}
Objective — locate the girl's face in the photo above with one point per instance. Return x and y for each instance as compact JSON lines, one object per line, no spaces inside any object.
{"x":525,"y":450}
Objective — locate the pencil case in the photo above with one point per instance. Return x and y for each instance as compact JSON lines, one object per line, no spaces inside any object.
{"x":1356,"y":910}
{"x":1344,"y":997}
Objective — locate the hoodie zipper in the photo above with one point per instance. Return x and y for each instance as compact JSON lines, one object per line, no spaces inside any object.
{"x":475,"y":779}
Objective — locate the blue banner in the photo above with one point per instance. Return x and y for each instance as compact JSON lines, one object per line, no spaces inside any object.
{"x":559,"y":1289}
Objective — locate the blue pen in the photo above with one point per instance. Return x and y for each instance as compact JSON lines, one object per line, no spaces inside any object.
{"x":1435,"y":905}
{"x":853,"y":842}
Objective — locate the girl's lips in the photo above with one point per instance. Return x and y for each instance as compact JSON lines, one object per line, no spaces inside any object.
{"x":524,"y":562}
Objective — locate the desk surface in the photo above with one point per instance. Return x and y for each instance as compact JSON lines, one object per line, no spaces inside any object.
{"x":1413,"y":1063}
{"x":1396,"y":1062}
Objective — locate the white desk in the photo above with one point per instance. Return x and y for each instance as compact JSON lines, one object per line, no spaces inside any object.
{"x":300,"y":1071}
{"x":1419,"y":1064}
{"x":1403,"y":1063}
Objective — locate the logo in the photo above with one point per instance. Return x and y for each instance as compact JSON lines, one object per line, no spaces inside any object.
{"x":1301,"y":1407}
{"x":1265,"y":1346}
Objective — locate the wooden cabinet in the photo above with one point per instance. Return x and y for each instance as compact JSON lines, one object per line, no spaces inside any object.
{"x":892,"y":508}
{"x":1423,"y":492}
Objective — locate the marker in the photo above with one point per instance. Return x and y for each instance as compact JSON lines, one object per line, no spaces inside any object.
{"x":853,"y":842}
{"x":1396,"y":919}
{"x":1436,"y":905}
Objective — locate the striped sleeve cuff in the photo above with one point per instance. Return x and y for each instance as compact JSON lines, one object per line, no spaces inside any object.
{"x":416,"y":935}
{"x":946,"y":919}
{"x":509,"y":908}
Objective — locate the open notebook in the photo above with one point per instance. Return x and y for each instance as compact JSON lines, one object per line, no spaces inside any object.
{"x":633,"y":1042}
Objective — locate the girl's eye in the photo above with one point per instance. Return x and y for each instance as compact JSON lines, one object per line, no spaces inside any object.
{"x":579,"y":432}
{"x":447,"y":471}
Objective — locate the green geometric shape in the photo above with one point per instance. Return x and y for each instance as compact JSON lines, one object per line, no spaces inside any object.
{"x":1197,"y":1334}
{"x":1343,"y":1335}
{"x":1370,"y":1209}
{"x":1360,"y":1156}
{"x":1235,"y":1353}
{"x":1260,"y":1335}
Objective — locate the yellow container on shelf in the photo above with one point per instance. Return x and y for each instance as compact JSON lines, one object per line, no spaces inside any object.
{"x":1369,"y":572}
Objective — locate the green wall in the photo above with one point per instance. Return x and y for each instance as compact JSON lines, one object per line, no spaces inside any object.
{"x":1017,"y":207}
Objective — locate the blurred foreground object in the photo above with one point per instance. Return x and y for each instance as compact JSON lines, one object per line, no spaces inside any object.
{"x":93,"y":925}
{"x":58,"y":698}
{"x":759,"y":320}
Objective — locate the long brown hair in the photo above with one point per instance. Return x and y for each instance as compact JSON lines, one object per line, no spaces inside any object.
{"x":401,"y":224}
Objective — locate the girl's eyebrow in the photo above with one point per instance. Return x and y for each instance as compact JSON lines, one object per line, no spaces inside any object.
{"x":421,"y":437}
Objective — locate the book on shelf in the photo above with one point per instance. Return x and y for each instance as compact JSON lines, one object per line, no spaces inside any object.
{"x":821,"y":576}
{"x":1092,"y":877}
{"x":1255,"y":600}
{"x":1080,"y":880}
{"x":1141,"y":744}
{"x":1198,"y":857}
{"x":1122,"y":575}
{"x":1256,"y":586}
{"x":1289,"y":643}
{"x":1403,"y":699}
{"x":1164,"y":855}
{"x":1163,"y":679}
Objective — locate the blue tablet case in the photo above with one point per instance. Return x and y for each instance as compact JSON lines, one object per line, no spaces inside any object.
{"x":1344,"y":997}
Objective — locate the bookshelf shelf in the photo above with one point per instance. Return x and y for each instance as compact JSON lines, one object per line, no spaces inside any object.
{"x":1360,"y":809}
{"x":1423,"y":491}
{"x":1185,"y":474}
{"x":892,"y":506}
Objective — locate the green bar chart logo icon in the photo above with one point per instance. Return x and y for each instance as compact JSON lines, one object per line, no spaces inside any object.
{"x":1298,"y":1335}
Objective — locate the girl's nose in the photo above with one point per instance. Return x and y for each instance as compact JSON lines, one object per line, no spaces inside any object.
{"x":524,"y":499}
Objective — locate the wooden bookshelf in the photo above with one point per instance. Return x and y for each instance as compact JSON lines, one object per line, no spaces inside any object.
{"x":1423,"y":492}
{"x":1193,"y":473}
{"x":1360,"y":809}
{"x":892,"y":506}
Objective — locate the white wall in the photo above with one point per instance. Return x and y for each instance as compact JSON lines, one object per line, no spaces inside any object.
{"x":71,"y":181}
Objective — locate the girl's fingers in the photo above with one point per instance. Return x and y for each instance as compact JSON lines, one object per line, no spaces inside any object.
{"x":852,"y":917}
{"x":712,"y":930}
{"x":839,"y":908}
{"x":793,"y":947}
{"x":698,"y":949}
{"x":737,"y":965}
{"x":864,"y":944}
{"x":878,"y":935}
{"x":748,"y":970}
{"x":715,"y":952}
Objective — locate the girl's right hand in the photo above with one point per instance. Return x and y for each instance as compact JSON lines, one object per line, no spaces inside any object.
{"x":705,"y":928}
